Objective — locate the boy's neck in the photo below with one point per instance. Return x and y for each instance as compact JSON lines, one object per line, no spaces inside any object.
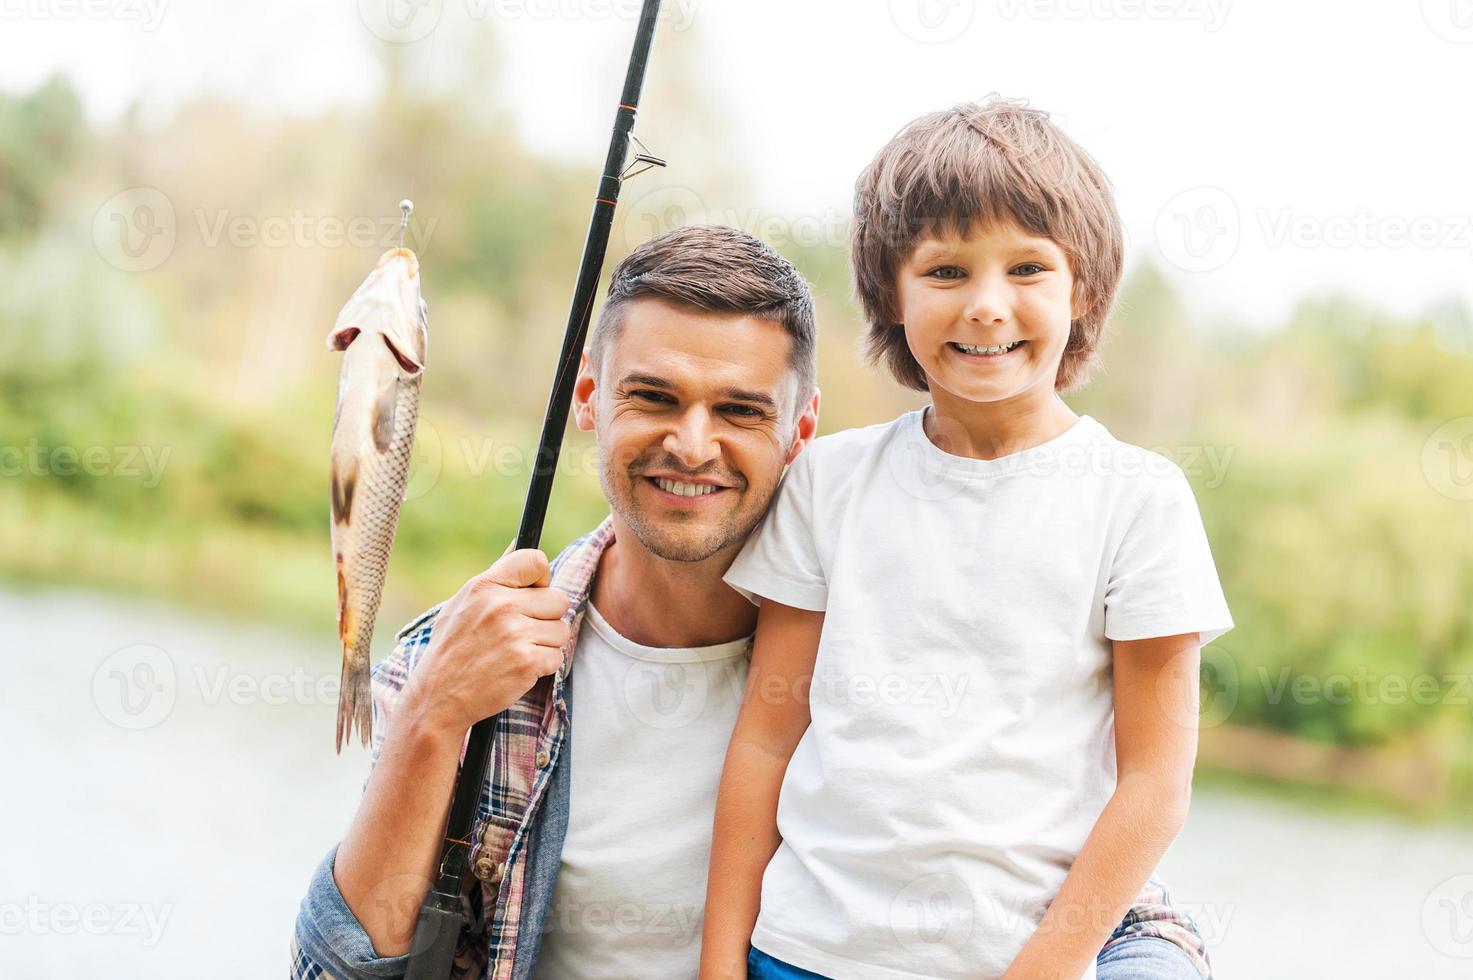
{"x":989,"y":430}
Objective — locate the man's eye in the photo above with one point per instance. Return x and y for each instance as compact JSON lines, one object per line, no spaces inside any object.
{"x":946,"y":272}
{"x":745,"y":411}
{"x":658,"y":397}
{"x":1029,"y":269}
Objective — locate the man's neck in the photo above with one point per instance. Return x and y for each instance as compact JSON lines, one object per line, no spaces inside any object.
{"x":660,"y":603}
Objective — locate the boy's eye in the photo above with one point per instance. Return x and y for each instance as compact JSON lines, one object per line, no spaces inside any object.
{"x":1029,"y":269}
{"x":946,"y":272}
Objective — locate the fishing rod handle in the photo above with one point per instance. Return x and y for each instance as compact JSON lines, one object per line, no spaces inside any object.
{"x":436,"y":936}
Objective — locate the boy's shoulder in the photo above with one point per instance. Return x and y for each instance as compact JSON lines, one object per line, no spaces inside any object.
{"x":847,"y":444}
{"x":1130,"y":462}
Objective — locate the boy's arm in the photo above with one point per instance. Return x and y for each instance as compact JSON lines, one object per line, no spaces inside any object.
{"x":772,"y":720}
{"x":1156,"y":702}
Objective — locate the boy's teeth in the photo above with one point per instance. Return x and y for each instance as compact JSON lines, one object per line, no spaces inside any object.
{"x":989,"y":351}
{"x":685,"y":489}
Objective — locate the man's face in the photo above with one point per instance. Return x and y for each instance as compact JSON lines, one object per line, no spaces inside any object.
{"x":999,"y":286}
{"x":695,"y":418}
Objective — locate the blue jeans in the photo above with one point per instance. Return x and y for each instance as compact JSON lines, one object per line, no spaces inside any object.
{"x":1143,"y":958}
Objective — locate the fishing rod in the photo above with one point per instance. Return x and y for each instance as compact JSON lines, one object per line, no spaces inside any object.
{"x":440,"y":920}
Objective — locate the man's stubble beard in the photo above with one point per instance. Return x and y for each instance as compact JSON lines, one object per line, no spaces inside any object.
{"x":657,"y":538}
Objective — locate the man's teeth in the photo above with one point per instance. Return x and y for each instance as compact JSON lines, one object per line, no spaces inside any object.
{"x":989,"y":351}
{"x":685,"y":489}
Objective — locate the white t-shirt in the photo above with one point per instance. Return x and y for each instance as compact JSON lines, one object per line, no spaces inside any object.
{"x":649,"y":732}
{"x":962,"y":743}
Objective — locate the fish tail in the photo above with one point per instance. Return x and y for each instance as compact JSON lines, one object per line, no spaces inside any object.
{"x":355,"y":704}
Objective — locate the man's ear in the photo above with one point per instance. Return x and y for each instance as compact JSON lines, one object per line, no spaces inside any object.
{"x":806,"y":428}
{"x":583,"y":394}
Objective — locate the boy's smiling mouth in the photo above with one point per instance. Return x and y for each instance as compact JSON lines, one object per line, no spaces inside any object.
{"x":983,"y":351}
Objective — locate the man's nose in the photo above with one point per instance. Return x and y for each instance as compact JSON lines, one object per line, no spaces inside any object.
{"x":692,"y":440}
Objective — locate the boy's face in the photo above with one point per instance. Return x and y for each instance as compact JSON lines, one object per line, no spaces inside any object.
{"x":997,"y":286}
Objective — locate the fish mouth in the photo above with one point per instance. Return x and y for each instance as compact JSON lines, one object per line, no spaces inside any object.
{"x":401,"y":252}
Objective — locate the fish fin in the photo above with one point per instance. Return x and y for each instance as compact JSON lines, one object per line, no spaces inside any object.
{"x":411,"y":357}
{"x":342,"y":338}
{"x":344,"y":482}
{"x":384,"y":408}
{"x":355,"y":704}
{"x":342,"y":604}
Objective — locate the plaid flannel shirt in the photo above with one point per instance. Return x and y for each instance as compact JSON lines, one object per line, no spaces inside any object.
{"x":513,"y":862}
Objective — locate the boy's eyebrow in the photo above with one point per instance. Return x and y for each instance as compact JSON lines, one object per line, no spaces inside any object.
{"x":736,"y":394}
{"x":931,"y":248}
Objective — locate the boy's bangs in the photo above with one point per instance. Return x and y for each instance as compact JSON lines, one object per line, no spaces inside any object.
{"x":975,"y":186}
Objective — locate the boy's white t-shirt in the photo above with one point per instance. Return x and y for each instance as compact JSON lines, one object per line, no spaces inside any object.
{"x":962,"y":738}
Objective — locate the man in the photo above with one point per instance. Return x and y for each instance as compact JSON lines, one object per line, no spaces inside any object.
{"x":590,"y":854}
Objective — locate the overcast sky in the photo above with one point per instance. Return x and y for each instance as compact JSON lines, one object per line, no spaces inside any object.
{"x":1261,"y":150}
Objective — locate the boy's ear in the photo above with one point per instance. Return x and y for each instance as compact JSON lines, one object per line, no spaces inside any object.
{"x":1079,"y":304}
{"x":584,"y":389}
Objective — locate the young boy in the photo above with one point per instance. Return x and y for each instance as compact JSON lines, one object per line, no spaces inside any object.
{"x":970,"y":722}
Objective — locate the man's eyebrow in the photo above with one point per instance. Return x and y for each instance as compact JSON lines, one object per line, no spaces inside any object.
{"x":665,"y":384}
{"x":755,"y":397}
{"x":648,"y":381}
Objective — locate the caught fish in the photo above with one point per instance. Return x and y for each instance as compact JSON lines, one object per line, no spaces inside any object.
{"x":383,"y":333}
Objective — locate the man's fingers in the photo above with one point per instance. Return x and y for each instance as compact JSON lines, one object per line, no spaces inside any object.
{"x":519,"y":570}
{"x":552,"y":634}
{"x":543,"y":603}
{"x":548,"y":661}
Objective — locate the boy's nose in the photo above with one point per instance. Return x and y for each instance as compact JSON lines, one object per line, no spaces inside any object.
{"x":987,"y":305}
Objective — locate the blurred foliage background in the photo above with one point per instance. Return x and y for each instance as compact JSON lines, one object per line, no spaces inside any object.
{"x":1339,"y":516}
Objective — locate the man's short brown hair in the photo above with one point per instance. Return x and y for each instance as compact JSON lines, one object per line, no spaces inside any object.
{"x":983,"y":164}
{"x":720,"y":270}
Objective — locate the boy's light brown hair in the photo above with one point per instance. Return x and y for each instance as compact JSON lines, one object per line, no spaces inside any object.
{"x":982,"y":164}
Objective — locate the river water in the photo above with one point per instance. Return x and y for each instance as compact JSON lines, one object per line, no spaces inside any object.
{"x":169,"y":783}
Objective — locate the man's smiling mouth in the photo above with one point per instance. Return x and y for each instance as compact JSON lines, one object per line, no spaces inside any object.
{"x":685,"y":489}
